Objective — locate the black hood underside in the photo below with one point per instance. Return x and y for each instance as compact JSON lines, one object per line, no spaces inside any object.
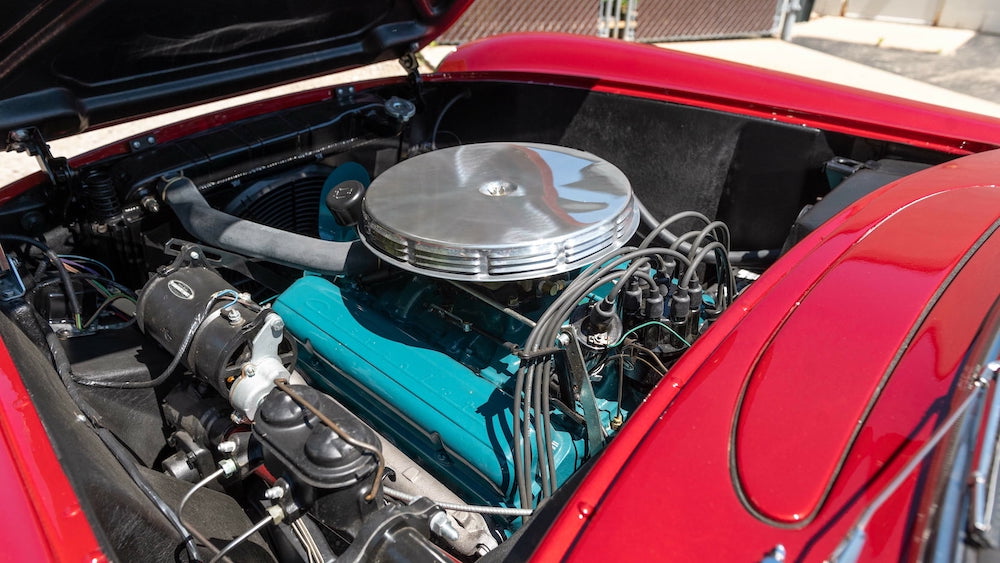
{"x":67,"y":66}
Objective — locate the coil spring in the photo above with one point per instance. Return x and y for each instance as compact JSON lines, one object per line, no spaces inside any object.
{"x":101,"y":197}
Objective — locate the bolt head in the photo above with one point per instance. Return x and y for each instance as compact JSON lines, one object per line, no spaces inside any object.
{"x":227,"y":447}
{"x":249,"y":370}
{"x":441,"y":525}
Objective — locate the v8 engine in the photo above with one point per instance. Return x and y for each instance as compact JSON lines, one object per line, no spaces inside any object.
{"x":507,"y":337}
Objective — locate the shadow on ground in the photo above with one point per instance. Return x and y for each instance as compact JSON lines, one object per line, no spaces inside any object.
{"x":972,"y":69}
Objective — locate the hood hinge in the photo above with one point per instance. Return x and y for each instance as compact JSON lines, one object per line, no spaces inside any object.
{"x":29,"y":139}
{"x":411,"y":64}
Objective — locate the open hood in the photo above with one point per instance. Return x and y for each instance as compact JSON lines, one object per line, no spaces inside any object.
{"x":70,"y":65}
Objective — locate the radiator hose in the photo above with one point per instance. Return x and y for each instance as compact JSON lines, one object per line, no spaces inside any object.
{"x":245,"y":237}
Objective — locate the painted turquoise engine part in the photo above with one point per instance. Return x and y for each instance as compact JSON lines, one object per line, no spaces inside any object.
{"x":424,"y":363}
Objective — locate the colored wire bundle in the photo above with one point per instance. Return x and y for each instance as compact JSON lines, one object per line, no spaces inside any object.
{"x":71,"y":299}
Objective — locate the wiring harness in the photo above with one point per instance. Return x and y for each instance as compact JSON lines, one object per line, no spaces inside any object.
{"x":631,"y":314}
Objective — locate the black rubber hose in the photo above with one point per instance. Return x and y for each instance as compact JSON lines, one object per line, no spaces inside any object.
{"x":260,"y":241}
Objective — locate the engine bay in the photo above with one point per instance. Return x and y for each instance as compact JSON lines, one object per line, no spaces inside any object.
{"x":393,"y":324}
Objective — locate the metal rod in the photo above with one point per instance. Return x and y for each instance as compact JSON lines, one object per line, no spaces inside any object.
{"x":475,"y":509}
{"x":985,"y":475}
{"x":184,"y":501}
{"x":850,"y":548}
{"x":232,"y":545}
{"x":495,"y":304}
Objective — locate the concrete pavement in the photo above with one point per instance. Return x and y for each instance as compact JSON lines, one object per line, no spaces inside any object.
{"x":955,"y":59}
{"x":792,"y":58}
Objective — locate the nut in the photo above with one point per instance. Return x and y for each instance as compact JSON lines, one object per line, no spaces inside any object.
{"x":150,"y":204}
{"x":233,"y":316}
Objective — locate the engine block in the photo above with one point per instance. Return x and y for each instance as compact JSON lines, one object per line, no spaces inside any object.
{"x":426,"y":365}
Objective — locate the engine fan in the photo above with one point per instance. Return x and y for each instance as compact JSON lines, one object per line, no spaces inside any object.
{"x":288,"y":201}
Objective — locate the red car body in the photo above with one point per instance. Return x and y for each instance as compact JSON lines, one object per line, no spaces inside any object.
{"x":751,"y":452}
{"x":793,"y":412}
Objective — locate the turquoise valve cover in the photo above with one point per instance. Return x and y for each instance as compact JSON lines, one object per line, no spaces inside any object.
{"x":424,"y":364}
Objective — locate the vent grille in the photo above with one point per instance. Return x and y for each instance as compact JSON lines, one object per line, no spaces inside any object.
{"x":289,"y":202}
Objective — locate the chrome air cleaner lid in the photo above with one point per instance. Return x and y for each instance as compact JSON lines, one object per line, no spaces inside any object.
{"x":498,"y":211}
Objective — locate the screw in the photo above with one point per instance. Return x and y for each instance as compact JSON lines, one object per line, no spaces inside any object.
{"x":274,"y":493}
{"x":249,"y":370}
{"x":226,"y":447}
{"x":194,"y":255}
{"x":278,"y":325}
{"x":151,"y":139}
{"x":136,"y":144}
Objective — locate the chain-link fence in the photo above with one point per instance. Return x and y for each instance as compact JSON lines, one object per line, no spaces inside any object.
{"x":490,"y":17}
{"x":673,"y":20}
{"x":633,"y":20}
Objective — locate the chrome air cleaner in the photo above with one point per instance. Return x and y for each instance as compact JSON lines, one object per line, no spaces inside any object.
{"x":498,"y":211}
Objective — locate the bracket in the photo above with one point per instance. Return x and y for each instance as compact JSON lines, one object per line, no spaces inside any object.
{"x":30,"y":140}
